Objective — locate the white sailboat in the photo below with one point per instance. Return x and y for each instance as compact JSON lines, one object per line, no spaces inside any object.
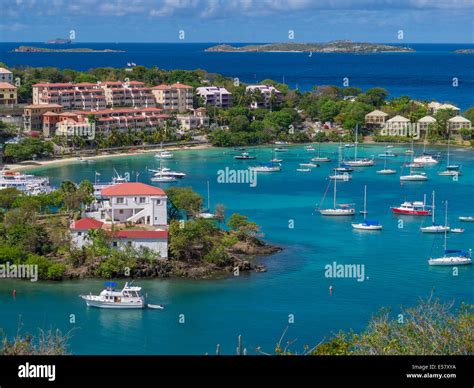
{"x":366,"y":224}
{"x":385,"y":170}
{"x":319,"y":158}
{"x":451,"y":169}
{"x":364,"y":162}
{"x":341,"y":173}
{"x":458,"y":257}
{"x":207,"y":212}
{"x":425,"y":159}
{"x":434,"y":228}
{"x":337,"y":210}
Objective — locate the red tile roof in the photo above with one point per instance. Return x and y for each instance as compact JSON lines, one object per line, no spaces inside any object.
{"x":6,"y":85}
{"x":146,"y":234}
{"x":178,"y":85}
{"x":129,"y":189}
{"x":86,"y":224}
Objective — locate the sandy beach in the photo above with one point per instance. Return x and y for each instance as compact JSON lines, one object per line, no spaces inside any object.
{"x":75,"y":159}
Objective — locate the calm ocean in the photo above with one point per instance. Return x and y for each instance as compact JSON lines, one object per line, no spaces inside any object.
{"x":425,"y":74}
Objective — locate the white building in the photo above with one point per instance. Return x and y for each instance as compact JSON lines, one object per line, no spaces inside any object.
{"x":424,"y":123}
{"x":457,"y":123}
{"x":154,"y":240}
{"x":435,"y":106}
{"x":197,"y":119}
{"x":174,"y":98}
{"x":398,"y":123}
{"x":267,"y":91}
{"x":6,"y":75}
{"x":135,"y":203}
{"x":376,"y":118}
{"x":215,"y":95}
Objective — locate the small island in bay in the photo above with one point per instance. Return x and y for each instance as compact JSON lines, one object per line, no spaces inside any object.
{"x":32,"y":49}
{"x":464,"y":51}
{"x":338,"y":46}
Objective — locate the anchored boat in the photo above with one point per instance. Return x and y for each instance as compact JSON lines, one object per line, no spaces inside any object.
{"x":435,"y":228}
{"x":129,"y":297}
{"x":366,"y":224}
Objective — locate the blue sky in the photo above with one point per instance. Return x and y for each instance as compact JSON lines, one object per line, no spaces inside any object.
{"x":437,"y":21}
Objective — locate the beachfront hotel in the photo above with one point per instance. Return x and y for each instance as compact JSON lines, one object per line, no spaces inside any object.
{"x":174,"y":98}
{"x":33,"y":115}
{"x":8,"y":94}
{"x":424,"y":123}
{"x":137,"y":204}
{"x":375,"y":119}
{"x":457,"y":123}
{"x":267,"y":92}
{"x":398,"y":123}
{"x":215,"y":95}
{"x":107,"y":120}
{"x":128,"y":94}
{"x":435,"y":106}
{"x":6,"y":75}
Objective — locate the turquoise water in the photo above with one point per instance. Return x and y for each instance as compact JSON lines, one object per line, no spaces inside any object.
{"x":258,"y":305}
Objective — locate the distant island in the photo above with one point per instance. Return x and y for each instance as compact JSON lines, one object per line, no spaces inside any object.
{"x":31,"y":49}
{"x":464,"y":51}
{"x":59,"y":41}
{"x":338,"y":46}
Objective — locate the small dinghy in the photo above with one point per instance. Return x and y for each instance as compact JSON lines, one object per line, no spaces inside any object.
{"x":155,"y":306}
{"x":457,"y":230}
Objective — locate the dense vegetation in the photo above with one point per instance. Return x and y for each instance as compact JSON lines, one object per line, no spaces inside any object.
{"x":34,"y":230}
{"x":290,"y":119}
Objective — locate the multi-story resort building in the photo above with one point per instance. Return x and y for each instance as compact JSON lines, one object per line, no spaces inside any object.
{"x":6,"y":75}
{"x":128,"y":94}
{"x":375,"y":119}
{"x":398,"y":124}
{"x":33,"y":115}
{"x":174,"y":98}
{"x":267,"y":92}
{"x":138,"y":213}
{"x":84,"y":95}
{"x":105,"y":121}
{"x":215,"y":96}
{"x":435,"y":106}
{"x":198,"y":118}
{"x":8,"y":94}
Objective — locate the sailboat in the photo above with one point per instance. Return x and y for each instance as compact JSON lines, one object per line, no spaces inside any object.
{"x":207,"y":212}
{"x":413,"y":176}
{"x":385,"y":170}
{"x":451,"y":169}
{"x":459,"y":257}
{"x":425,"y":159}
{"x":320,"y":158}
{"x":341,"y":173}
{"x":337,"y":210}
{"x":434,"y":228}
{"x":366,"y":224}
{"x":274,"y":158}
{"x":364,"y":162}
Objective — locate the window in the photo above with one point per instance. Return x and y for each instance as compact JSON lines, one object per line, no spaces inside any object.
{"x":119,"y":200}
{"x":120,"y":211}
{"x":115,"y":244}
{"x":142,"y":200}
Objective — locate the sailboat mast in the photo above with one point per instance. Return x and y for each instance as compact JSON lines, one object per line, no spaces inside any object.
{"x":365,"y":202}
{"x":445,"y":229}
{"x":449,"y":139}
{"x":335,"y":184}
{"x":433,"y":209}
{"x":355,"y":148}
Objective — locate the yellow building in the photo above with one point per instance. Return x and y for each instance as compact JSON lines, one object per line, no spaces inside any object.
{"x":8,"y":94}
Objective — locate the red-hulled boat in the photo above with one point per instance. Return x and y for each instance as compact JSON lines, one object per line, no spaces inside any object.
{"x":416,"y":208}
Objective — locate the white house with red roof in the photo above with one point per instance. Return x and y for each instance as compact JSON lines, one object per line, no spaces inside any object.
{"x":132,"y":202}
{"x":132,"y":214}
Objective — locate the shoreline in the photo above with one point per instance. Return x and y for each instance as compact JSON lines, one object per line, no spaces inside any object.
{"x":33,"y":164}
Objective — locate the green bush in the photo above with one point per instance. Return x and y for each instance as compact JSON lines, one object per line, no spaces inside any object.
{"x":43,"y":265}
{"x":56,"y":271}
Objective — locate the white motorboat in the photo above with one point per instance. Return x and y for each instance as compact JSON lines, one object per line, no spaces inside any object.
{"x":435,"y":228}
{"x":310,"y":165}
{"x":414,"y":177}
{"x":303,"y":169}
{"x":27,"y":183}
{"x":457,"y":230}
{"x":266,"y":167}
{"x":336,"y":210}
{"x":425,"y":160}
{"x":163,"y":178}
{"x":366,"y":224}
{"x":164,"y":171}
{"x":458,"y":257}
{"x":341,"y":177}
{"x":244,"y":156}
{"x":281,"y":149}
{"x":129,"y":297}
{"x":466,"y":219}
